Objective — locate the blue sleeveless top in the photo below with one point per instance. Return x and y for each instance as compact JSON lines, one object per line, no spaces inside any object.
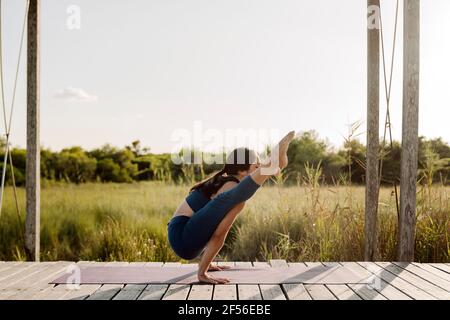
{"x":197,"y":199}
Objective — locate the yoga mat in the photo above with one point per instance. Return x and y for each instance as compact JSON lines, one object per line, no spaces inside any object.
{"x":237,"y":275}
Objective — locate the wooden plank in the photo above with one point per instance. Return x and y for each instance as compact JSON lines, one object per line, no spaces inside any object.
{"x":314,"y":264}
{"x":9,"y":272}
{"x":6,"y":294}
{"x":106,"y":292}
{"x":84,"y":291}
{"x":331,"y":264}
{"x":366,"y":292}
{"x":8,"y":265}
{"x":29,"y":287}
{"x":296,"y":264}
{"x":85,"y":263}
{"x":50,"y":293}
{"x":272,"y":292}
{"x":247,"y":264}
{"x":41,"y":289}
{"x":296,"y":291}
{"x":397,"y":282}
{"x":426,"y":286}
{"x":37,"y":285}
{"x":117,"y":264}
{"x":101,"y":263}
{"x":230,"y":264}
{"x":154,"y":264}
{"x":276,"y":263}
{"x":225,"y":292}
{"x":177,"y":292}
{"x":138,"y":264}
{"x":441,"y":267}
{"x":130,"y":292}
{"x":437,"y":272}
{"x":24,"y":273}
{"x":390,"y":292}
{"x":249,"y":292}
{"x":42,"y":277}
{"x":201,"y":292}
{"x":267,"y":292}
{"x":172,"y":264}
{"x":258,"y":264}
{"x":189,"y":265}
{"x":319,"y":292}
{"x":153,"y":292}
{"x":300,"y":292}
{"x":343,"y":292}
{"x":428,"y":276}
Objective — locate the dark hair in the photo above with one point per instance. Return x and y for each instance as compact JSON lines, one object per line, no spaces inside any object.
{"x":239,"y":159}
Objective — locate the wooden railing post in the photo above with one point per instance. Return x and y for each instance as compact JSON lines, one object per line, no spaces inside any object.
{"x":410,"y":124}
{"x":372,"y":145}
{"x":32,"y":224}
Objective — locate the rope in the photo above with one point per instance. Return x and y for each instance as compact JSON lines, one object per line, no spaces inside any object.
{"x":387,"y":123}
{"x":8,"y":125}
{"x":19,"y":216}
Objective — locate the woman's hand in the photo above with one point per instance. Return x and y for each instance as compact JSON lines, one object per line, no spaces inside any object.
{"x":206,"y":278}
{"x":217,"y":268}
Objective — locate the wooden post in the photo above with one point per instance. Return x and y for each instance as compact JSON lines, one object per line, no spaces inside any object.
{"x":372,"y":145}
{"x":32,"y":227}
{"x":410,"y":124}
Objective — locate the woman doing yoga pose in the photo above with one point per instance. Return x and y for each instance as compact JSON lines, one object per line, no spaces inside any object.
{"x":202,"y":221}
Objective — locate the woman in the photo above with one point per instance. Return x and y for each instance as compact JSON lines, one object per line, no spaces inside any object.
{"x":202,"y":221}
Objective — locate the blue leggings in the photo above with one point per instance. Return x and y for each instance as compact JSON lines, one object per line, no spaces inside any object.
{"x":188,"y":236}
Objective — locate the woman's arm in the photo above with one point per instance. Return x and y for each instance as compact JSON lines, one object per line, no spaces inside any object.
{"x":212,"y":249}
{"x":217,"y":240}
{"x":215,"y":244}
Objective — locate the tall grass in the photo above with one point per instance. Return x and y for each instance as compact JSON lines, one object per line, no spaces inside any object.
{"x":305,"y":222}
{"x":289,"y":223}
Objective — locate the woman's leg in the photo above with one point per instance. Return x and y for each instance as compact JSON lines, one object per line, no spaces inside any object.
{"x":203,"y":223}
{"x":278,"y":160}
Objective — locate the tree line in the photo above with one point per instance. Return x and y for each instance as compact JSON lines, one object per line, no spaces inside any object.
{"x":307,"y":153}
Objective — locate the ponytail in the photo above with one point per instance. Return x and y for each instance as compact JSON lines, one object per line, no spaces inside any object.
{"x":210,"y":179}
{"x":238,"y":160}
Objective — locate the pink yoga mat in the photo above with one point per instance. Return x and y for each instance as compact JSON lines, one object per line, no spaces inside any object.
{"x":187,"y":275}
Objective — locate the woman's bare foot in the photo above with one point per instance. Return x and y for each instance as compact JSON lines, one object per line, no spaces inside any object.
{"x":284,"y":145}
{"x":206,"y":278}
{"x":217,"y":268}
{"x":278,"y":154}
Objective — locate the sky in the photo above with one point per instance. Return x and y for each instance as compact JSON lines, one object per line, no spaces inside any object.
{"x":162,"y":70}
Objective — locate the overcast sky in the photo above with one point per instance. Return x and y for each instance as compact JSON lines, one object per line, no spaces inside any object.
{"x":144,"y":69}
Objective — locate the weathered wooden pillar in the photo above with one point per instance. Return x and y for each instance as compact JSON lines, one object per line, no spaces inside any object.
{"x":372,"y":145}
{"x":410,"y":125}
{"x":32,"y":225}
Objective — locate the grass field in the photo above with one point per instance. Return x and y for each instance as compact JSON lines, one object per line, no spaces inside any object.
{"x":128,"y":222}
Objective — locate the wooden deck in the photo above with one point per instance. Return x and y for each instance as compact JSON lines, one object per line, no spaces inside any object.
{"x":393,"y":281}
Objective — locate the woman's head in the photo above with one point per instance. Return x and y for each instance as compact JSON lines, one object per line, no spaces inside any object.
{"x":239,"y":163}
